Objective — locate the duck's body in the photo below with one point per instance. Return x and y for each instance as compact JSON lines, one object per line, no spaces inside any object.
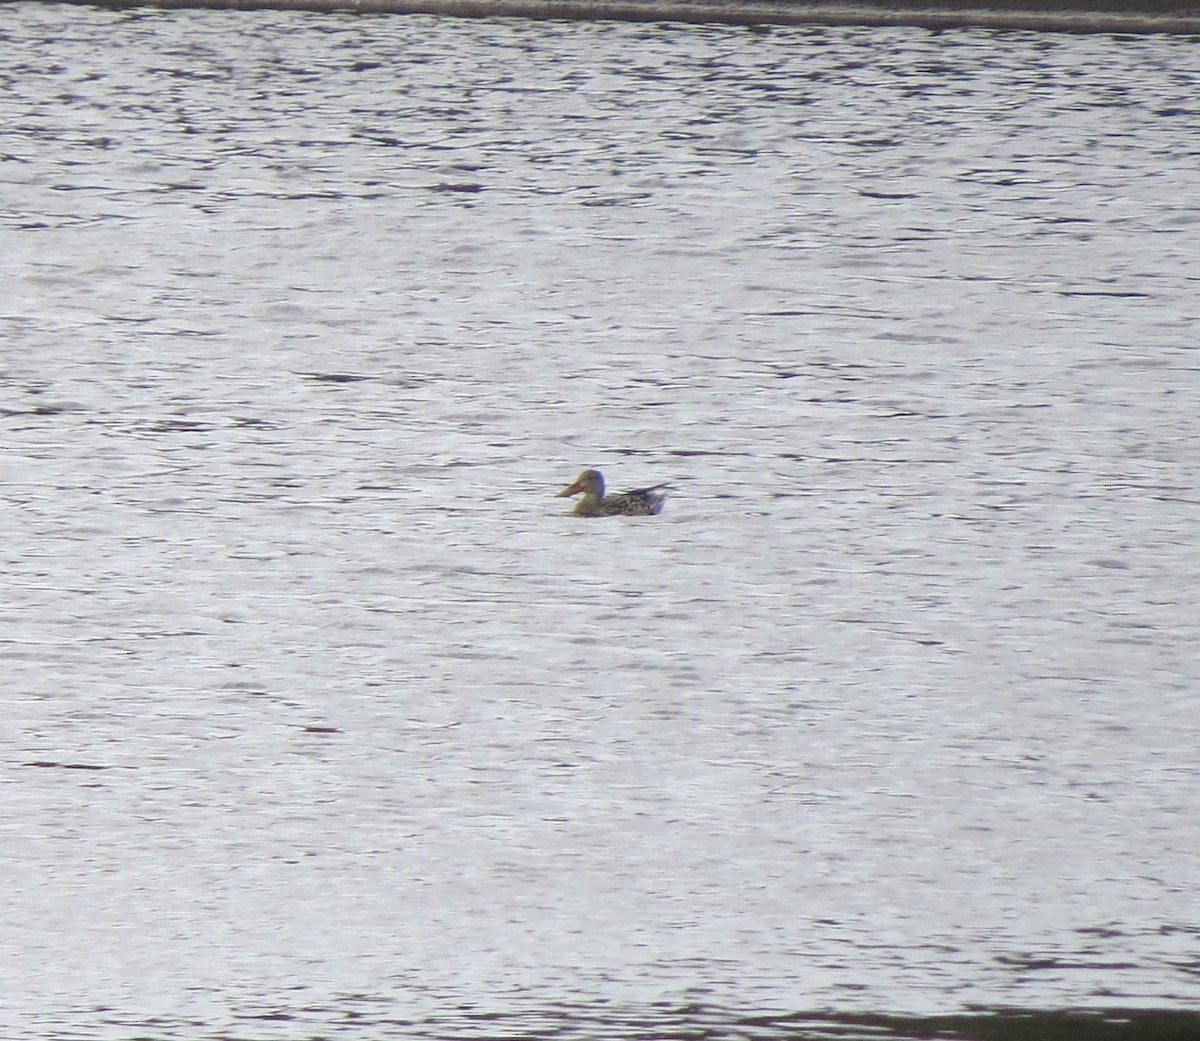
{"x":644,"y":502}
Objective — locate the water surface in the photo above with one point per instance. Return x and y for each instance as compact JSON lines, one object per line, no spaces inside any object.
{"x":323,"y":717}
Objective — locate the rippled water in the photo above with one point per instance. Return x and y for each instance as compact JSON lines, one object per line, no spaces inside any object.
{"x":323,"y":717}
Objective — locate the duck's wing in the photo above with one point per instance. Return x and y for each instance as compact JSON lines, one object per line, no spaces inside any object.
{"x":641,"y":502}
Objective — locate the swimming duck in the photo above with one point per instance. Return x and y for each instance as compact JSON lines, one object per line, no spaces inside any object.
{"x":644,"y":502}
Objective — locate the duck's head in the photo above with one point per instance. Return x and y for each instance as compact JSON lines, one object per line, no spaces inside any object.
{"x":590,"y":482}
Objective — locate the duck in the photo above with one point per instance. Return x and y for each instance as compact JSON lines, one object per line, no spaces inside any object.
{"x":644,"y":502}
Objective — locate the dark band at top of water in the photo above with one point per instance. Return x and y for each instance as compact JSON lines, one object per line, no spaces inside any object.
{"x":1167,"y":16}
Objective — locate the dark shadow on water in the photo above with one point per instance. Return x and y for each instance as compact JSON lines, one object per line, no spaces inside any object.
{"x":975,"y":1025}
{"x":703,"y":1023}
{"x":363,"y":1016}
{"x":993,"y":1025}
{"x":1085,"y":16}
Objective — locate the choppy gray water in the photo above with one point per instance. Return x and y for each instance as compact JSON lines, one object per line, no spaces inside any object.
{"x":322,"y":719}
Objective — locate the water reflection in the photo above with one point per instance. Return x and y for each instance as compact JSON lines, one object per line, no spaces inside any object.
{"x":362,"y":1015}
{"x":328,"y":718}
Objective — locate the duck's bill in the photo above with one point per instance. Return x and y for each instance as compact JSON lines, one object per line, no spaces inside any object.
{"x":574,"y":489}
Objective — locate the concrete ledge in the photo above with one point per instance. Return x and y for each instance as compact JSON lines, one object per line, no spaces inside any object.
{"x":1068,"y":16}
